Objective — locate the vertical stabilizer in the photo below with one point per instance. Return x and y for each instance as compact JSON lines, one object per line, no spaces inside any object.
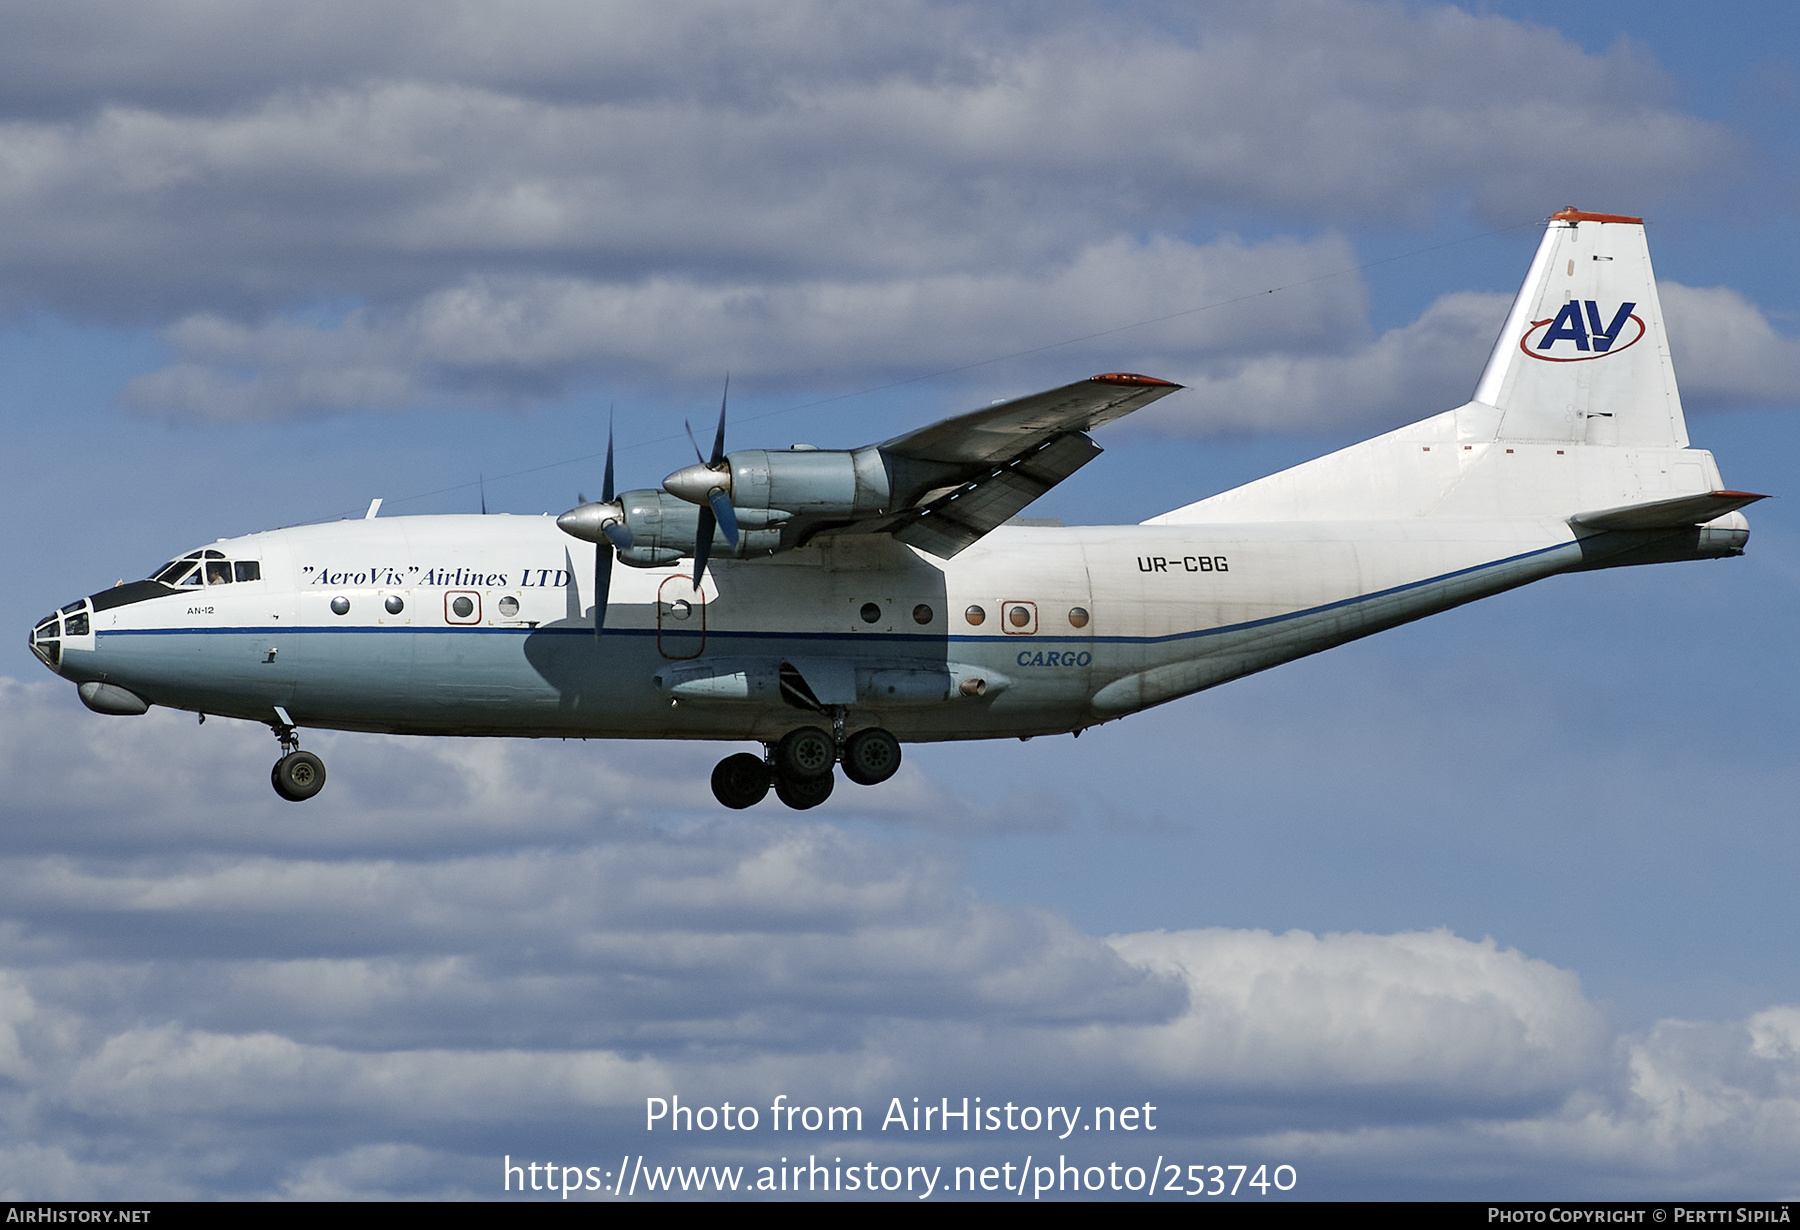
{"x":1583,"y":356}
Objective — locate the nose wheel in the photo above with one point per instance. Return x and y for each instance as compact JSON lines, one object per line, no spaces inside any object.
{"x":298,"y":775}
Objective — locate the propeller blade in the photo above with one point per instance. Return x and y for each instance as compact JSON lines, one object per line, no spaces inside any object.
{"x":618,"y":534}
{"x":603,"y":566}
{"x":703,"y":544}
{"x":720,"y":503}
{"x":719,"y":439}
{"x":698,"y":455}
{"x":606,"y":484}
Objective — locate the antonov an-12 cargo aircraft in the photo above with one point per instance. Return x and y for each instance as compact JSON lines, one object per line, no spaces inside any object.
{"x":834,"y":604}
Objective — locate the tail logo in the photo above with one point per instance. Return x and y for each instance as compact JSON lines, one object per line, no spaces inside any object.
{"x":1591,"y":338}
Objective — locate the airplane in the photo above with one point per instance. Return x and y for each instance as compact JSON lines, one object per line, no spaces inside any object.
{"x":835,"y":604}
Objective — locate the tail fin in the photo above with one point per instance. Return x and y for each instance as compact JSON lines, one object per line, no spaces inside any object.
{"x":1581,"y":361}
{"x":1583,"y":356}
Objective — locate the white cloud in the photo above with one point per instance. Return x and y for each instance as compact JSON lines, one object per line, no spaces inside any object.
{"x":1428,"y":1011}
{"x":170,"y":1072}
{"x":388,"y":1172}
{"x":1296,"y":361}
{"x":227,"y":1012}
{"x":494,"y":339}
{"x":386,"y":792}
{"x":16,"y":1005}
{"x":1727,"y":354}
{"x":1406,"y":374}
{"x":792,"y":189}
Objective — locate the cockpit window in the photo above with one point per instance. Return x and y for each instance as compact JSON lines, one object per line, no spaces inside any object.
{"x":181,"y":572}
{"x":207,"y":568}
{"x":44,"y":642}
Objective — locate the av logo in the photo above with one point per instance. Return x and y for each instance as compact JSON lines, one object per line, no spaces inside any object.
{"x":1591,"y":337}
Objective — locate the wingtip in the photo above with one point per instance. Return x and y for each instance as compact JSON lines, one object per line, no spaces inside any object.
{"x":1132,"y":378}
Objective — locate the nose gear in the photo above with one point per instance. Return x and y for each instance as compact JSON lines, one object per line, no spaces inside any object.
{"x":298,"y":775}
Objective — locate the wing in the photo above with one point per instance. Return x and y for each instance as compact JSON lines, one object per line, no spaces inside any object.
{"x":956,"y":480}
{"x":1004,"y":432}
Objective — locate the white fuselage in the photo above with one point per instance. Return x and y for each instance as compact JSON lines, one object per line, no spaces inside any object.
{"x":1169,"y":610}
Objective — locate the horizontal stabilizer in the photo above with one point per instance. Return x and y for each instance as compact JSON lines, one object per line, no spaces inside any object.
{"x":1674,"y":514}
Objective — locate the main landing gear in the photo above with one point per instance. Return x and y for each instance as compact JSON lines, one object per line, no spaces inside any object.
{"x":799,"y":768}
{"x":298,"y":775}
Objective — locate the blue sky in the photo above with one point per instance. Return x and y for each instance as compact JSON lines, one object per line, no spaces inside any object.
{"x":1496,"y":904}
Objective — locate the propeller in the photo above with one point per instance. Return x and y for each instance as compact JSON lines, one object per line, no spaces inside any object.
{"x":593,"y":522}
{"x":708,"y":484}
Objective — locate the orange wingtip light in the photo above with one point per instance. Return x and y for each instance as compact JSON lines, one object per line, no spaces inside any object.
{"x":1132,"y":378}
{"x":1571,"y":214}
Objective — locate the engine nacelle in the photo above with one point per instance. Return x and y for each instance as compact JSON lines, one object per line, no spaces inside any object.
{"x":795,"y":483}
{"x":663,"y":530}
